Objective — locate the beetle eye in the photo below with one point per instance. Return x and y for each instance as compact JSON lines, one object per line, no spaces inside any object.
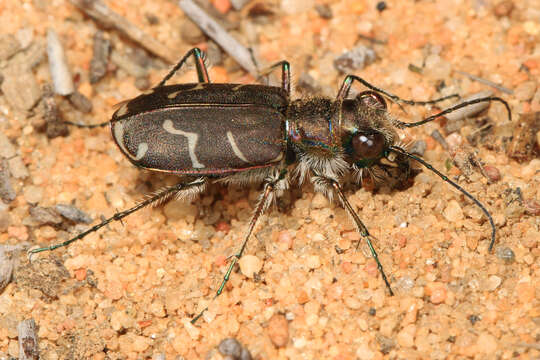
{"x":368,"y":146}
{"x":372,"y":99}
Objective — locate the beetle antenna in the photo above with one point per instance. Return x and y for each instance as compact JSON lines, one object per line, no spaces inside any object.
{"x":401,"y":124}
{"x":87,"y":126}
{"x":401,"y":151}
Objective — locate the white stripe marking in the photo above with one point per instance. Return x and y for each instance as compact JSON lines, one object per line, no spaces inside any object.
{"x":119,"y":137}
{"x":235,"y":148}
{"x":191,"y":138}
{"x":141,"y":151}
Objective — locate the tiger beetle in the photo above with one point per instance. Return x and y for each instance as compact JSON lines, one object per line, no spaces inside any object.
{"x":239,"y":134}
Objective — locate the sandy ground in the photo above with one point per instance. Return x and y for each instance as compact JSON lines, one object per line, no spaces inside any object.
{"x":129,"y":290}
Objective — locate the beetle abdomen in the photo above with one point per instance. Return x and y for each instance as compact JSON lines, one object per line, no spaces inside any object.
{"x":202,"y":139}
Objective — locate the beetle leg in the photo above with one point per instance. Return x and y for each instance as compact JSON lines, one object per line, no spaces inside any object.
{"x":202,"y":72}
{"x":270,"y":185}
{"x":332,"y":184}
{"x":285,"y":74}
{"x":178,"y":190}
{"x":349,"y":79}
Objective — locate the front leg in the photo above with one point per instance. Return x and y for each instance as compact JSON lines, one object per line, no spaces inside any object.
{"x":329,"y":185}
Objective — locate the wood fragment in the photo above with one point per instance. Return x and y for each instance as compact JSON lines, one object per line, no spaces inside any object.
{"x":7,"y":264}
{"x":28,"y":340}
{"x":128,"y":64}
{"x":486,"y":82}
{"x":437,"y":136}
{"x":60,"y":74}
{"x":470,"y":110}
{"x":215,"y":31}
{"x":99,"y":11}
{"x":54,"y":122}
{"x":100,"y":57}
{"x":80,"y":102}
{"x":7,"y":192}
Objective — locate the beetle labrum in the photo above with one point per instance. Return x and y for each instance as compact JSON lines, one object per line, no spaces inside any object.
{"x":235,"y":133}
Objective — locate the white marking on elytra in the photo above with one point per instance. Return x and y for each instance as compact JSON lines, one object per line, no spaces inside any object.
{"x":141,"y":151}
{"x":237,"y":87}
{"x":173,"y":95}
{"x":118,"y":128}
{"x":191,"y":138}
{"x":235,"y":148}
{"x":278,"y":158}
{"x":122,"y":111}
{"x":198,"y":86}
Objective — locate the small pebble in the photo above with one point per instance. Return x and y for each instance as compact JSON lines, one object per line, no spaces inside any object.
{"x":381,"y":6}
{"x":319,"y":201}
{"x":525,"y":90}
{"x":386,"y":343}
{"x":9,"y":46}
{"x":438,"y":293}
{"x":33,"y":194}
{"x":453,"y":211}
{"x":70,"y":212}
{"x":405,"y":337}
{"x":313,"y":262}
{"x":324,"y":11}
{"x":493,"y":174}
{"x":142,"y":83}
{"x":45,"y":215}
{"x":5,"y":220}
{"x":503,"y":8}
{"x":355,"y":59}
{"x":454,"y":141}
{"x":353,"y":303}
{"x":80,"y":102}
{"x":292,"y":7}
{"x":250,"y":265}
{"x":223,"y":6}
{"x":230,"y":347}
{"x":307,"y":84}
{"x":17,"y":168}
{"x":239,"y":4}
{"x":493,"y":282}
{"x":20,"y":89}
{"x":437,"y":136}
{"x":128,"y":64}
{"x":7,"y":150}
{"x":179,"y":210}
{"x":191,"y":33}
{"x":506,"y":254}
{"x":278,"y":330}
{"x":532,"y":207}
{"x":191,"y":329}
{"x":25,"y":36}
{"x":487,"y":343}
{"x":7,"y":192}
{"x":418,"y":148}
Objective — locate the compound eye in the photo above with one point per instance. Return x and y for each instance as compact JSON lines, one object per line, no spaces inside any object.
{"x":372,"y":99}
{"x":368,"y":146}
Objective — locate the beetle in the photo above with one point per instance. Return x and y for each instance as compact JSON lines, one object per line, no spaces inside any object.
{"x":237,"y":133}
